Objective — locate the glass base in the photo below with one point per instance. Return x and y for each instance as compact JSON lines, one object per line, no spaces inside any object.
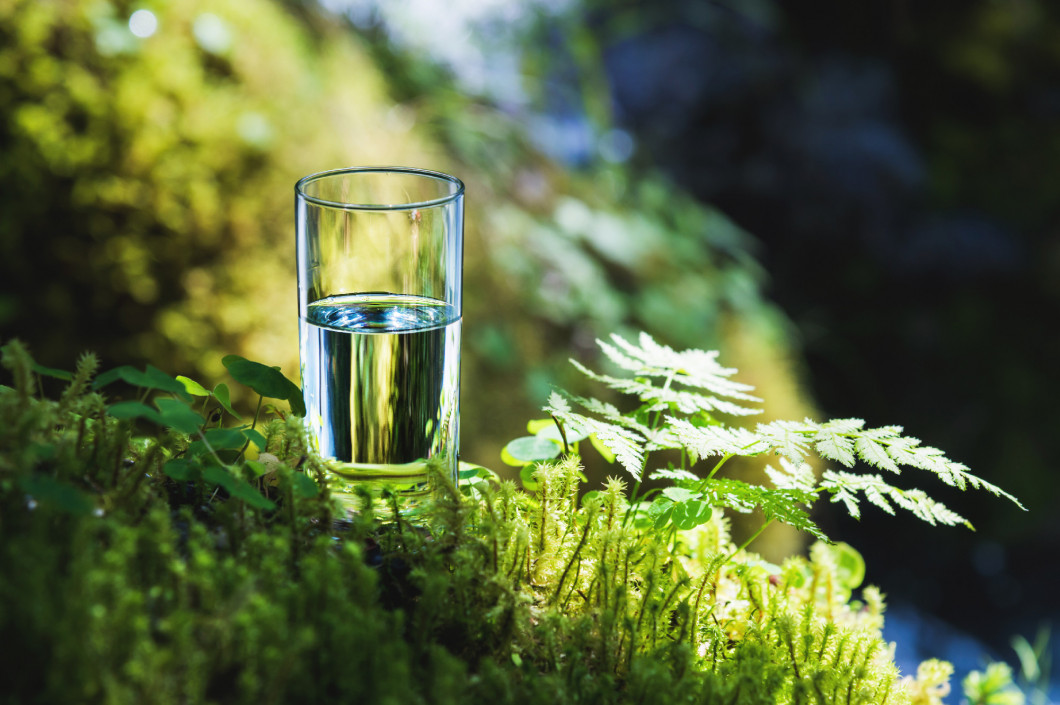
{"x":405,"y":488}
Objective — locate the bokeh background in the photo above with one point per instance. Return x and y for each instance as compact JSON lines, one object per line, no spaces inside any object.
{"x":855,"y":202}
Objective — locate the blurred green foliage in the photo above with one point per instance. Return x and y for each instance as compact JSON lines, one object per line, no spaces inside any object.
{"x":146,"y":190}
{"x":148,"y":182}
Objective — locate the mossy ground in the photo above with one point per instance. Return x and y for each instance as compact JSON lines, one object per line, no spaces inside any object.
{"x":122,"y":584}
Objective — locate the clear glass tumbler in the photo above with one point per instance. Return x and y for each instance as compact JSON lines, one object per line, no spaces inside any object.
{"x":380,"y":269}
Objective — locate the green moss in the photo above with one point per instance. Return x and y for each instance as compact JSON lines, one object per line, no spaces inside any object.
{"x":121,"y":584}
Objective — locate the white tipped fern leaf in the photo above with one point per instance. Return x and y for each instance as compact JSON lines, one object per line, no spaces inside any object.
{"x":666,"y":396}
{"x":692,"y":368}
{"x":683,"y":419}
{"x":844,"y":487}
{"x":624,"y":442}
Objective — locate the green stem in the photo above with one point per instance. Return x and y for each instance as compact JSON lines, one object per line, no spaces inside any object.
{"x":654,"y":425}
{"x":710,"y":476}
{"x":243,"y":450}
{"x":747,"y":543}
{"x":574,"y":557}
{"x":562,"y":434}
{"x":632,"y":503}
{"x":634,"y":493}
{"x":213,"y":452}
{"x":256,"y":412}
{"x":665,"y":388}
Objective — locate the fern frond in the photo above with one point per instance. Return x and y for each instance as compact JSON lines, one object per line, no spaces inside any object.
{"x":874,"y":453}
{"x":908,"y":452}
{"x":792,"y":477}
{"x":841,"y":440}
{"x":779,"y":504}
{"x":608,"y":412}
{"x":676,"y":474}
{"x":789,"y":438}
{"x":626,"y":444}
{"x":834,"y":440}
{"x":684,"y":402}
{"x":692,"y":368}
{"x":705,"y":441}
{"x":844,"y":487}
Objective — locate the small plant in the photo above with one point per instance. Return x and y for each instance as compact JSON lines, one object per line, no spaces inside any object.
{"x":680,"y":402}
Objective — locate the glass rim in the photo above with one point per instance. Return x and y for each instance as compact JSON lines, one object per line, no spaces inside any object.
{"x":301,"y":184}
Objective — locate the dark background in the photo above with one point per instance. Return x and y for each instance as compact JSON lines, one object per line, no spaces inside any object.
{"x":898,"y":162}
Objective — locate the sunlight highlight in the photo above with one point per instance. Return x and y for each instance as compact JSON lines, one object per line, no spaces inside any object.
{"x":143,"y":23}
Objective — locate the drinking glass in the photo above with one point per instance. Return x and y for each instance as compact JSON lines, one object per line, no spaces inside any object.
{"x":380,"y":268}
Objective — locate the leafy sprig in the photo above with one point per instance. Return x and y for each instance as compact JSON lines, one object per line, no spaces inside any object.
{"x":204,"y":449}
{"x":682,"y":400}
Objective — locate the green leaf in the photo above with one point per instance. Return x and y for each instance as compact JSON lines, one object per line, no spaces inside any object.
{"x":992,"y":687}
{"x":182,"y":470}
{"x":783,"y":505}
{"x":706,"y":441}
{"x":531,"y":449}
{"x":850,"y":566}
{"x":466,"y":471}
{"x":551,"y":432}
{"x":660,"y":512}
{"x":675,"y":399}
{"x":225,"y":438}
{"x":192,"y":387}
{"x":176,"y":414}
{"x":536,"y":426}
{"x":237,"y":487}
{"x":693,"y":368}
{"x":197,"y":449}
{"x":678,"y":475}
{"x":57,"y":494}
{"x":303,"y":485}
{"x":844,"y":486}
{"x":590,"y":496}
{"x":603,"y":450}
{"x":266,"y":381}
{"x":256,"y":438}
{"x":874,"y":454}
{"x":157,"y":379}
{"x":1030,"y":658}
{"x":52,"y":372}
{"x":690,"y":514}
{"x":125,"y":373}
{"x":526,"y":476}
{"x":222,"y":395}
{"x":834,"y":446}
{"x":134,"y":410}
{"x":151,"y":378}
{"x":679,"y":494}
{"x":624,"y":443}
